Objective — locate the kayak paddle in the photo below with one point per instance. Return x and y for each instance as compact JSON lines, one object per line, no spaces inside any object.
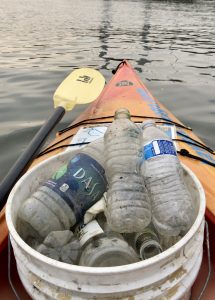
{"x":81,"y":86}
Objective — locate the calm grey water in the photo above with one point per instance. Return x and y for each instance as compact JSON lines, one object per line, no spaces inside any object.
{"x":171,"y":44}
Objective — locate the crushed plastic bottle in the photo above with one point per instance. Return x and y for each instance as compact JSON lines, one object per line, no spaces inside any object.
{"x":63,"y":199}
{"x":104,"y":249}
{"x":172,"y":206}
{"x":128,"y":206}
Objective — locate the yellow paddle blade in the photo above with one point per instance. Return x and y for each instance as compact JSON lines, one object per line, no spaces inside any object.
{"x":80,"y":87}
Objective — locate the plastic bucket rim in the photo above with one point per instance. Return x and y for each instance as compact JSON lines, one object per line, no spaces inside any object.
{"x":101,"y":270}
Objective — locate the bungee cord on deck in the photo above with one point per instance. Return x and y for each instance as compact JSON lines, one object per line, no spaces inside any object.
{"x":183,"y":152}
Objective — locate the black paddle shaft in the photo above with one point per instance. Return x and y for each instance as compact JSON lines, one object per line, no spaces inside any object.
{"x":28,"y":155}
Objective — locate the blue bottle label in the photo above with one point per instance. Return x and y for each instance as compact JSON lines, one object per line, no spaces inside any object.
{"x":80,"y":183}
{"x":159,"y":147}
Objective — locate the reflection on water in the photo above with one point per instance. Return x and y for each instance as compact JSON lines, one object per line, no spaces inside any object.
{"x":171,"y":43}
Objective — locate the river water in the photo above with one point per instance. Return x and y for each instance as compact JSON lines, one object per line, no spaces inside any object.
{"x":170,"y":43}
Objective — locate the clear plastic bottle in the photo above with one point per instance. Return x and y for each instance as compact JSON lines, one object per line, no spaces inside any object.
{"x":128,"y":207}
{"x":146,"y":243}
{"x":172,"y":207}
{"x":63,"y":199}
{"x":104,"y":249}
{"x":168,"y":241}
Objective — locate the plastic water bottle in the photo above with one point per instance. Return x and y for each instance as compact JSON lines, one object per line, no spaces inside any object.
{"x":63,"y":199}
{"x":104,"y":249}
{"x":146,"y":243}
{"x":168,"y":241}
{"x":128,"y":207}
{"x":172,"y":207}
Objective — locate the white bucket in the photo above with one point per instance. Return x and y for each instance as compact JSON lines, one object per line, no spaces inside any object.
{"x":169,"y":275}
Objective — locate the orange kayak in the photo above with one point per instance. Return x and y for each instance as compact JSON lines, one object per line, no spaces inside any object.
{"x":125,"y":89}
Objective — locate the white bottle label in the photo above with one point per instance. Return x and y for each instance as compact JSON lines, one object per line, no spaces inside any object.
{"x":159,"y":147}
{"x":88,"y":231}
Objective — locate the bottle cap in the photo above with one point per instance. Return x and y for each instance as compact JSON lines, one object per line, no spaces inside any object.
{"x":122,"y":113}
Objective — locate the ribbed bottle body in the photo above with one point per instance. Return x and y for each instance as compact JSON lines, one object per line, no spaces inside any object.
{"x":172,"y":207}
{"x":128,"y":207}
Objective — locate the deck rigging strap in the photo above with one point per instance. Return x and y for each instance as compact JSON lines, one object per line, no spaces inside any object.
{"x":195,"y":143}
{"x":201,"y":144}
{"x":185,"y":152}
{"x":48,"y":150}
{"x":90,"y":121}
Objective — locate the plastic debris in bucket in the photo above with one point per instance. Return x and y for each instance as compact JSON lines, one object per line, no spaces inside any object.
{"x":169,"y":275}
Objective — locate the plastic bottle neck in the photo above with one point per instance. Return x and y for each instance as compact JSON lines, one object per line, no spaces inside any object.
{"x":149,"y":249}
{"x":147,"y":243}
{"x":146,"y":124}
{"x":122,"y":113}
